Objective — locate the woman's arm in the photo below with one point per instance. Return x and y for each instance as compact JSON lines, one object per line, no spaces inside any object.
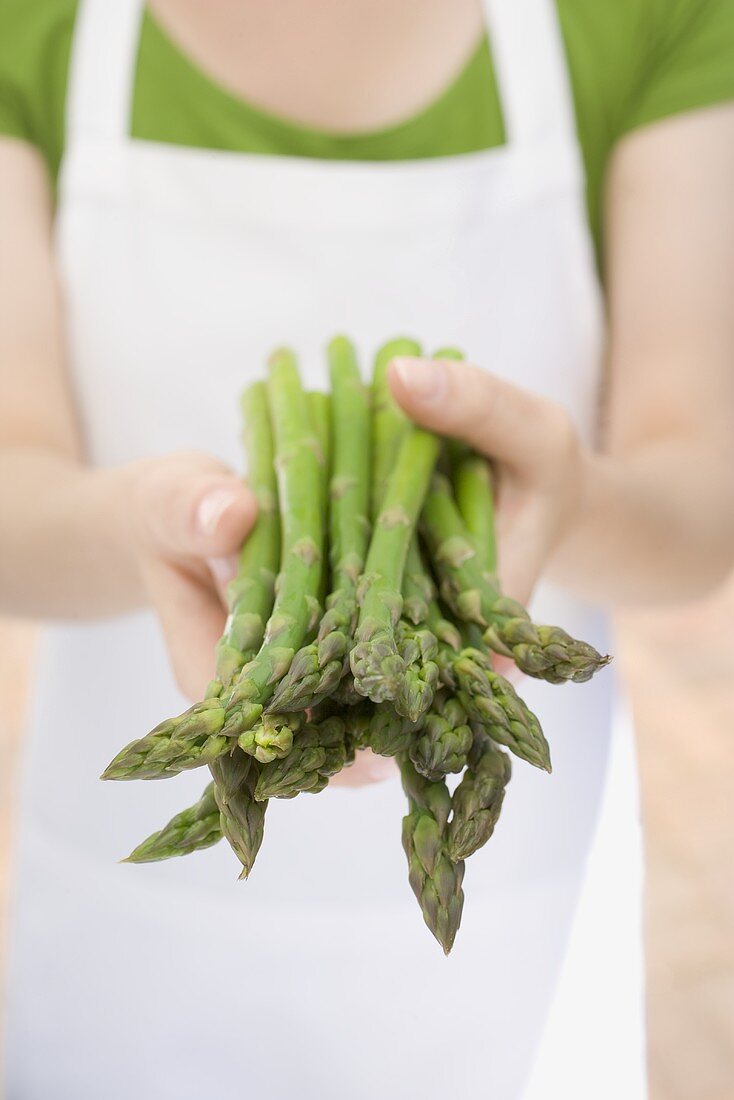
{"x":649,"y":517}
{"x":75,"y":541}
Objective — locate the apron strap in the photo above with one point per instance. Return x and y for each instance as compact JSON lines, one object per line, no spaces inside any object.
{"x":530,"y":61}
{"x":526,"y":41}
{"x":102,"y":69}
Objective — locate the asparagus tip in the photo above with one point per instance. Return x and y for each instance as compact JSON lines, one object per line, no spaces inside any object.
{"x":281,"y":355}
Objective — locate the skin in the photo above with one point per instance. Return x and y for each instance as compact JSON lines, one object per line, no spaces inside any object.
{"x":649,"y":517}
{"x":342,"y":65}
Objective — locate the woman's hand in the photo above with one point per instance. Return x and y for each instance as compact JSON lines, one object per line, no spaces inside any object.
{"x":538,"y":459}
{"x":189,"y":516}
{"x":540,"y":464}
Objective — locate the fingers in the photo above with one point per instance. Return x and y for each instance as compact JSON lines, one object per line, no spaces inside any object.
{"x":493,"y":416}
{"x":192,"y":506}
{"x":192,"y":619}
{"x":223,"y":570}
{"x":366,"y":770}
{"x":525,"y":531}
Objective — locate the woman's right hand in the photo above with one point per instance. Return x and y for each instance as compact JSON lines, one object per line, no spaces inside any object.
{"x":189,"y":515}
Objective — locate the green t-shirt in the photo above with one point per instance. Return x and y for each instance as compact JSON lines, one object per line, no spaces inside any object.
{"x":631,"y":62}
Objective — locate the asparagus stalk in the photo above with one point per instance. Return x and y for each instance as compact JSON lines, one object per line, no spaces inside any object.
{"x":242,"y":818}
{"x":377,"y":667}
{"x":418,"y":589}
{"x":389,"y":422}
{"x":472,"y":476}
{"x":435,"y":879}
{"x":234,"y":773}
{"x":489,"y":700}
{"x":477,"y":801}
{"x":492,"y":702}
{"x":296,"y":603}
{"x":251,"y":592}
{"x":194,"y":738}
{"x":390,"y":426}
{"x":317,"y":668}
{"x":417,"y":644}
{"x":443,"y":742}
{"x":192,"y":830}
{"x":319,"y":411}
{"x":320,"y":750}
{"x":545,"y":652}
{"x":379,"y":727}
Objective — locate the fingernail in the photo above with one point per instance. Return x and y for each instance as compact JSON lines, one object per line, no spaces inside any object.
{"x":424,"y":379}
{"x":212,"y":507}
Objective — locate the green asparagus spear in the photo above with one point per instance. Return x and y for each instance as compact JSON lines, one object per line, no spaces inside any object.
{"x":379,"y":727}
{"x":251,"y":592}
{"x":319,"y":411}
{"x":319,"y":751}
{"x":546,"y":652}
{"x":192,"y":830}
{"x":377,"y":667}
{"x":389,"y":422}
{"x":390,"y":426}
{"x":188,"y":741}
{"x":418,"y":589}
{"x":492,"y":702}
{"x":317,"y":668}
{"x":444,"y":739}
{"x":234,"y":772}
{"x":194,"y":738}
{"x":489,"y":699}
{"x":296,"y":602}
{"x":435,"y":879}
{"x":472,"y":475}
{"x":417,"y":644}
{"x":345,"y":694}
{"x":242,"y":818}
{"x":477,"y":801}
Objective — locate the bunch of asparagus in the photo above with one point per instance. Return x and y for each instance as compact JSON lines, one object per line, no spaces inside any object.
{"x":391,"y":529}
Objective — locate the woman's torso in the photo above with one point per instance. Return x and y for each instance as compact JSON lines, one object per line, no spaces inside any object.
{"x":181,"y":268}
{"x":630,"y":63}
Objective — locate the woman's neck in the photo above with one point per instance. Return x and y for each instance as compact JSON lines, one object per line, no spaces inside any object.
{"x":337,"y":65}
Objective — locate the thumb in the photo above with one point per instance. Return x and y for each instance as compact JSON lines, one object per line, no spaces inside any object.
{"x":193,"y":506}
{"x":496,"y":418}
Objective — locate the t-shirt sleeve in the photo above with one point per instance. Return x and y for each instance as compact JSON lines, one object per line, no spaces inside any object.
{"x":35,"y":44}
{"x":16,"y":59}
{"x":14,"y":121}
{"x":689,"y":60}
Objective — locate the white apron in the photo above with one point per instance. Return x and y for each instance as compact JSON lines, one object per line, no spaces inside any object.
{"x":181,"y":269}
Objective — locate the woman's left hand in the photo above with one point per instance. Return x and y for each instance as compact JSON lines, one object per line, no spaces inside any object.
{"x":539,"y":461}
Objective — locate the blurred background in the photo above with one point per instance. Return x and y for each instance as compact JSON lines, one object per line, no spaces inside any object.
{"x":679,"y":667}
